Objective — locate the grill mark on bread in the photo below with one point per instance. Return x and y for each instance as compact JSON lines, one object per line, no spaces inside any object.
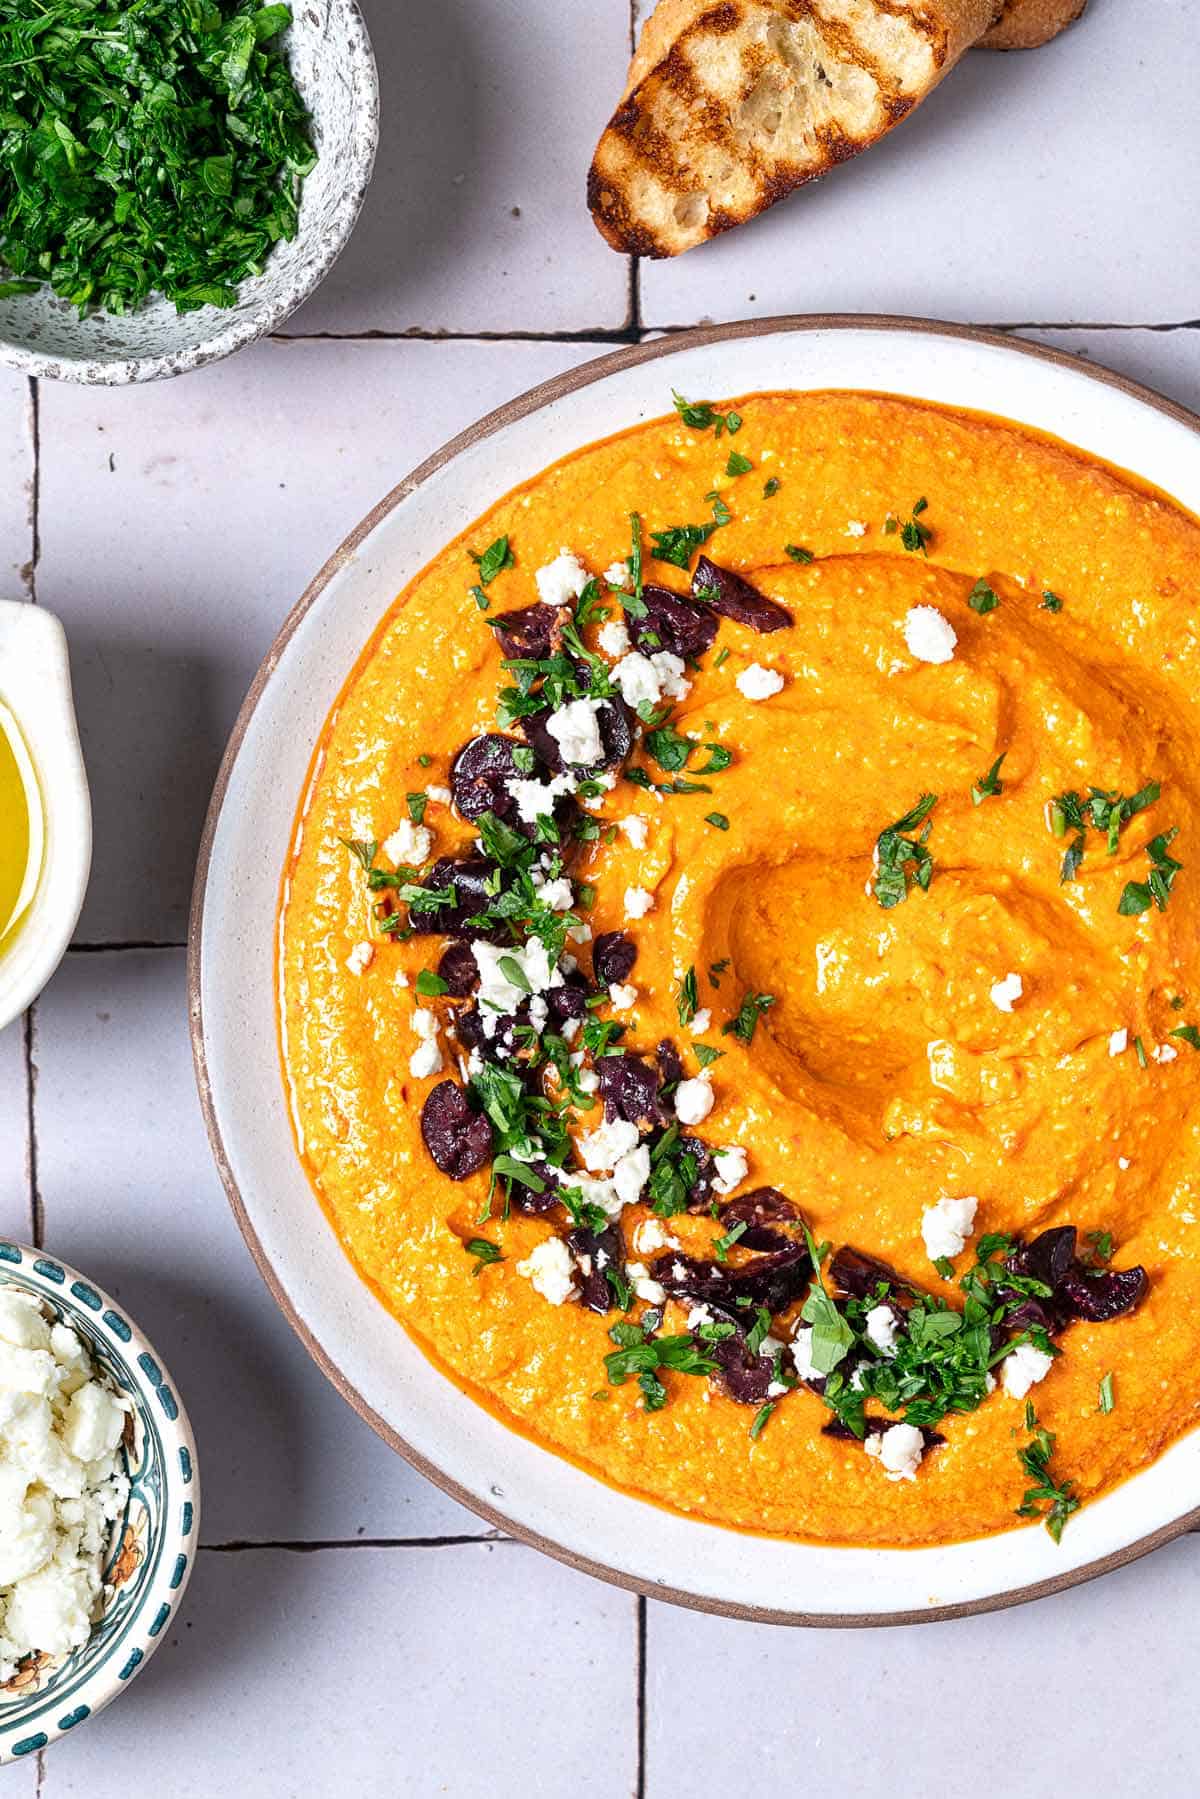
{"x":710,"y":132}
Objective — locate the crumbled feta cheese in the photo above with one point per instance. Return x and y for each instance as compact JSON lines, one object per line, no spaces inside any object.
{"x":1163,"y":1052}
{"x":669,"y":669}
{"x":928,"y":636}
{"x":635,"y":829}
{"x":1023,"y":1369}
{"x":1122,"y":1163}
{"x":409,"y":844}
{"x":698,"y":1316}
{"x":653,"y":1292}
{"x":899,"y":1448}
{"x":603,"y":1148}
{"x":535,"y":799}
{"x":733,"y":1165}
{"x":806,"y":1368}
{"x":652,"y":1234}
{"x":425,"y":1023}
{"x":497,"y":993}
{"x":617,"y":574}
{"x":557,"y":894}
{"x":855,"y":527}
{"x":881,"y":1329}
{"x":622,"y":996}
{"x":441,"y":796}
{"x":561,"y":581}
{"x":638,"y":680}
{"x":575,"y":730}
{"x":700,"y":1022}
{"x":550,"y":1269}
{"x":946,"y":1227}
{"x":758,"y":683}
{"x":638,"y":902}
{"x":425,"y":1060}
{"x":62,"y":1482}
{"x":613,"y":638}
{"x":630,"y":1175}
{"x":1118,"y":1043}
{"x":693,"y":1100}
{"x":360,"y":958}
{"x":1004,"y":994}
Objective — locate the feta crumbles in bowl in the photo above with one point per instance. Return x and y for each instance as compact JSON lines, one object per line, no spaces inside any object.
{"x":99,"y":1500}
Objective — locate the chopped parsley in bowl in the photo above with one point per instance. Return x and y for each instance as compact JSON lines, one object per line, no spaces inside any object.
{"x":176,"y":176}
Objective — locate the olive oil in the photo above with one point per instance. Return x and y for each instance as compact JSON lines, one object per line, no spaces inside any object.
{"x":20,"y":828}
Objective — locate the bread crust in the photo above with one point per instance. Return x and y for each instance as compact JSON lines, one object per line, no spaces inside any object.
{"x":1026,"y":24}
{"x":731,"y":104}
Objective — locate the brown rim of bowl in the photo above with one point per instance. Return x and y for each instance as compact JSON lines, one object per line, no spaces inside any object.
{"x":566,"y":383}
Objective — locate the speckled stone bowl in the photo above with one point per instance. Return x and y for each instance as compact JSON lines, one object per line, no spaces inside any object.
{"x":334,"y":68}
{"x":153,"y":1545}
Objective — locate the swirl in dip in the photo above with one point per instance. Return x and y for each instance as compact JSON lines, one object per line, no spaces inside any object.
{"x":813,"y":882}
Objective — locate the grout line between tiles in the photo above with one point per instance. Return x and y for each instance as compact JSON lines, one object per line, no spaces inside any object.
{"x":640,"y":1784}
{"x":29,"y":1046}
{"x":632,"y":332}
{"x":240,"y":1546}
{"x":29,"y":572}
{"x":616,"y":335}
{"x":143,"y":943}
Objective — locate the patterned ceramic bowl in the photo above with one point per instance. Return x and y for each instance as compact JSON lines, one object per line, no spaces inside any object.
{"x":334,"y":68}
{"x":153,"y":1545}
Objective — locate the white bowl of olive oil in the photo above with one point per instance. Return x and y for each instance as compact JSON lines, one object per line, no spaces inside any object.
{"x":45,"y":812}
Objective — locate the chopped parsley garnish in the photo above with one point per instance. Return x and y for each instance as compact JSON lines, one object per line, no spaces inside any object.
{"x":1189,"y":1033}
{"x":897,"y":853}
{"x":497,"y":557}
{"x":717,"y":820}
{"x":913,"y":534}
{"x":724,"y":1244}
{"x":645,"y":1358}
{"x":430,"y":985}
{"x":1072,"y":860}
{"x":1050,"y":602}
{"x":1140,"y":1051}
{"x":706,"y":1055}
{"x":989,"y":784}
{"x":1107,"y":1396}
{"x":416,"y":803}
{"x":363,"y":850}
{"x":687,"y":1000}
{"x":486,"y":1253}
{"x":738,"y":464}
{"x":717,"y":969}
{"x":669,"y":749}
{"x":751,"y":1010}
{"x":1138,"y":896}
{"x":702,"y":415}
{"x":983,"y":598}
{"x":679,"y":543}
{"x":156,"y":147}
{"x":1047,"y":1498}
{"x":771,"y":487}
{"x":761,"y":1419}
{"x":798,"y":553}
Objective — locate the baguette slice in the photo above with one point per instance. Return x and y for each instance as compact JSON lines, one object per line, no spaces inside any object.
{"x":1025,"y":24}
{"x":731,"y":105}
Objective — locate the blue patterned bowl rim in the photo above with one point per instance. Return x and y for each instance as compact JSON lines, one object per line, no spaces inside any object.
{"x":165,"y":1492}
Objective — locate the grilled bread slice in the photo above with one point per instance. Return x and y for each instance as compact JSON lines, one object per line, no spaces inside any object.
{"x":731,"y":104}
{"x":1024,"y":24}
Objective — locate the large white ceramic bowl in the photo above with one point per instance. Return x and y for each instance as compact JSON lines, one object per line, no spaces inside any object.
{"x":359,"y":1345}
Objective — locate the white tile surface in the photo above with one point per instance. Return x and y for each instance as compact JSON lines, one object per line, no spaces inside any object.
{"x":16,"y":486}
{"x":468,"y":1672}
{"x":1083,"y":1693}
{"x":1049,"y":185}
{"x":179,"y":523}
{"x":14,"y":1116}
{"x":1167,"y":361}
{"x":477,"y":217}
{"x":131,"y":1197}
